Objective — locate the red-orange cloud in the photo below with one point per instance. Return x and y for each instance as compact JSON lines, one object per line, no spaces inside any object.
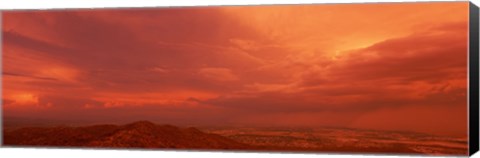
{"x":301,"y":65}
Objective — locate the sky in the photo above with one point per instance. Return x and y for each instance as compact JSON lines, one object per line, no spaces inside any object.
{"x":383,"y":66}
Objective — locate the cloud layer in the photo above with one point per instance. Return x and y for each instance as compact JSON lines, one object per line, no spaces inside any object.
{"x":300,"y":65}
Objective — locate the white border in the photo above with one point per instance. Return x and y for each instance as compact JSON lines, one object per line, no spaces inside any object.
{"x":49,"y":4}
{"x":77,"y":153}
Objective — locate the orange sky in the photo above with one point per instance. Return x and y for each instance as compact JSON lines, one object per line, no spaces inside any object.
{"x":388,"y":66}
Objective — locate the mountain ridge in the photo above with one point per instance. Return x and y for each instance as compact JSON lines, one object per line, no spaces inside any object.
{"x":139,"y":134}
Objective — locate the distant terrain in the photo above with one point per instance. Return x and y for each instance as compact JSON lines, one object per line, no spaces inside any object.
{"x":147,"y":135}
{"x":140,"y":134}
{"x":345,"y":140}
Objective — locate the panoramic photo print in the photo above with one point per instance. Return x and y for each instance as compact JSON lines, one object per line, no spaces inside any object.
{"x":383,"y":78}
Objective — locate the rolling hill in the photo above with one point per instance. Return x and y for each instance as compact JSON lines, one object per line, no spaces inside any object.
{"x":142,"y":134}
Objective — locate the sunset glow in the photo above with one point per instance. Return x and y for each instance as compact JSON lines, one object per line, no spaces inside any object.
{"x":385,"y":66}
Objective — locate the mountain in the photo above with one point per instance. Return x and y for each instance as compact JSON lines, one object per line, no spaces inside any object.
{"x":146,"y":135}
{"x":142,"y":134}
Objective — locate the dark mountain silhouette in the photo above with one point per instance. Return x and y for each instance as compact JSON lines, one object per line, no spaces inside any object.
{"x":142,"y":134}
{"x":146,"y":135}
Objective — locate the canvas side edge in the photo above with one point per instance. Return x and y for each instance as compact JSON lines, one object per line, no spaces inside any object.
{"x":473,"y":94}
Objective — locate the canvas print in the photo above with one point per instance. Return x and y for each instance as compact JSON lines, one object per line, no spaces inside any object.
{"x":382,"y":78}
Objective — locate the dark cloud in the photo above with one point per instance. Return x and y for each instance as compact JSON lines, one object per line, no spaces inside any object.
{"x":386,"y":74}
{"x":15,"y":38}
{"x":429,"y":58}
{"x":113,"y":54}
{"x":29,"y":76}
